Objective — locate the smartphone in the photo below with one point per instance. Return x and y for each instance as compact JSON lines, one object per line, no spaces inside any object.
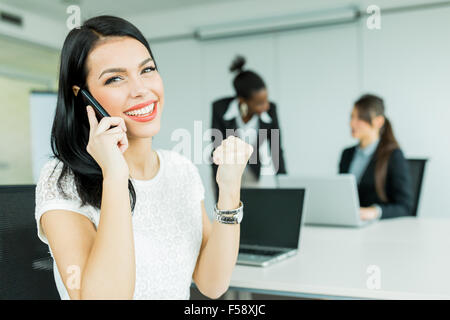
{"x":90,"y":100}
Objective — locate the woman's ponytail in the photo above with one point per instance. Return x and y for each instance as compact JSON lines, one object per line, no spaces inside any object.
{"x":387,"y":144}
{"x":370,"y":106}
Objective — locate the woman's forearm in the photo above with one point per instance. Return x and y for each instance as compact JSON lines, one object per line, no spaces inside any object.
{"x":219,"y":256}
{"x":110,"y":270}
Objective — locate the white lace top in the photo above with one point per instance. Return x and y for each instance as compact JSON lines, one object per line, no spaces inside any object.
{"x":167,"y":224}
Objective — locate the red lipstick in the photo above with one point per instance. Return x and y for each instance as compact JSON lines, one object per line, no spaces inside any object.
{"x":141,"y":105}
{"x":147,"y":117}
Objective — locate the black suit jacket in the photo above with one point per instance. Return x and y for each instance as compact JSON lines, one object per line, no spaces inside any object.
{"x":219,"y":108}
{"x":398,"y":184}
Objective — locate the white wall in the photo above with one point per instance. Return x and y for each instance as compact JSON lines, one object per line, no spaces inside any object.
{"x":408,"y":63}
{"x":318,"y":82}
{"x":314,"y":76}
{"x":42,"y":112}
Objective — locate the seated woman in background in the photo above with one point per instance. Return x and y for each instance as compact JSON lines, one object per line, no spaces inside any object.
{"x":246,"y":113}
{"x":382,"y":172}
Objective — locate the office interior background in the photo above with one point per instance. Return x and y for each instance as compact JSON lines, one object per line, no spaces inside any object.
{"x":317,"y":57}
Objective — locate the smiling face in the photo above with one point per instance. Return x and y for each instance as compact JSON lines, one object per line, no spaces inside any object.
{"x":121,"y":75}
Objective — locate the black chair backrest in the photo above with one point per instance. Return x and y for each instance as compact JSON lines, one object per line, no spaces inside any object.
{"x":26,"y":267}
{"x":417,"y":168}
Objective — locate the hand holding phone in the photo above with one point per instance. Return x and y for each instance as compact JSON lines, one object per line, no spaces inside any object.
{"x":90,"y":100}
{"x":107,"y":138}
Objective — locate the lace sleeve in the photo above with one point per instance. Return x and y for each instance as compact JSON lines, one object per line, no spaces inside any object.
{"x":49,"y":197}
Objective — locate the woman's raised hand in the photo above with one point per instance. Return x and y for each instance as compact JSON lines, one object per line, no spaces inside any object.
{"x":107,"y":145}
{"x":231,"y":157}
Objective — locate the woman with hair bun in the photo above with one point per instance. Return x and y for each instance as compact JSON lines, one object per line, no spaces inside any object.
{"x":250,"y":115}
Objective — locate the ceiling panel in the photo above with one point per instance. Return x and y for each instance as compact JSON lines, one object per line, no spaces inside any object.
{"x":56,"y":9}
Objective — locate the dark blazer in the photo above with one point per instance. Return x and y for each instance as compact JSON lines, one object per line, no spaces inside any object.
{"x":398,"y":184}
{"x":219,"y":108}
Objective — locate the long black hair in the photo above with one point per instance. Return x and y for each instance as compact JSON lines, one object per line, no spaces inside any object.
{"x":70,"y":130}
{"x":246,"y":82}
{"x":370,"y":106}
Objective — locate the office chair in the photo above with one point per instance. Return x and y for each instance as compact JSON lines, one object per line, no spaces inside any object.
{"x":26,"y":267}
{"x":417,"y":169}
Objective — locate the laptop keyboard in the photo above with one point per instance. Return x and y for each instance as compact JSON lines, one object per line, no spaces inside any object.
{"x":259,"y":252}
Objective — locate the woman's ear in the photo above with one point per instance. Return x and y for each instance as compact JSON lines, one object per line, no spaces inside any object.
{"x":379,"y":121}
{"x":75,"y":90}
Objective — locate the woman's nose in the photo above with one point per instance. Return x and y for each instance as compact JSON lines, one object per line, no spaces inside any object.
{"x":137,"y":88}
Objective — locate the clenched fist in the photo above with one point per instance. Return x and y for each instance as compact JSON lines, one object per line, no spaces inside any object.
{"x":231,"y":157}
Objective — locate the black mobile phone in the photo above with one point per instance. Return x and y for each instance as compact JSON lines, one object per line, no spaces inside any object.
{"x":90,"y":100}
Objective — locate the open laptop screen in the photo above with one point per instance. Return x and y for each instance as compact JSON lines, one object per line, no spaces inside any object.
{"x":272,"y":217}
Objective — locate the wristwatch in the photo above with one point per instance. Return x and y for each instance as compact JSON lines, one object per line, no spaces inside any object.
{"x":229,"y":216}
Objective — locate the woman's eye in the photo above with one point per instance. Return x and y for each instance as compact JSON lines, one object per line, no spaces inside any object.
{"x":111,"y":80}
{"x":148,"y":69}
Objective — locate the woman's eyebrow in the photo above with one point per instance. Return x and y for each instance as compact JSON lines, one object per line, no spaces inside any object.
{"x":145,"y":61}
{"x":112,"y":70}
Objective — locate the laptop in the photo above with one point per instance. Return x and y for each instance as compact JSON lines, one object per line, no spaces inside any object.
{"x":331,"y":200}
{"x":270,"y":229}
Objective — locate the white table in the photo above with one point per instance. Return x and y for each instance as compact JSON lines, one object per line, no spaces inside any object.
{"x":411,"y":254}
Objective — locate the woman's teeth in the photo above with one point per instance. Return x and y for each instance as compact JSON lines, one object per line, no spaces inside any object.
{"x":142,"y":111}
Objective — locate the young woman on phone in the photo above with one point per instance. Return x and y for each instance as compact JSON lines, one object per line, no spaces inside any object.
{"x":123,"y":220}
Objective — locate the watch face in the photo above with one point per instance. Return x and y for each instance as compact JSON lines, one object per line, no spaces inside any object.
{"x":229,"y":220}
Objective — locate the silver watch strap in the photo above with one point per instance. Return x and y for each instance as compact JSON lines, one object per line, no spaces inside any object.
{"x":233,"y":211}
{"x":229,"y":216}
